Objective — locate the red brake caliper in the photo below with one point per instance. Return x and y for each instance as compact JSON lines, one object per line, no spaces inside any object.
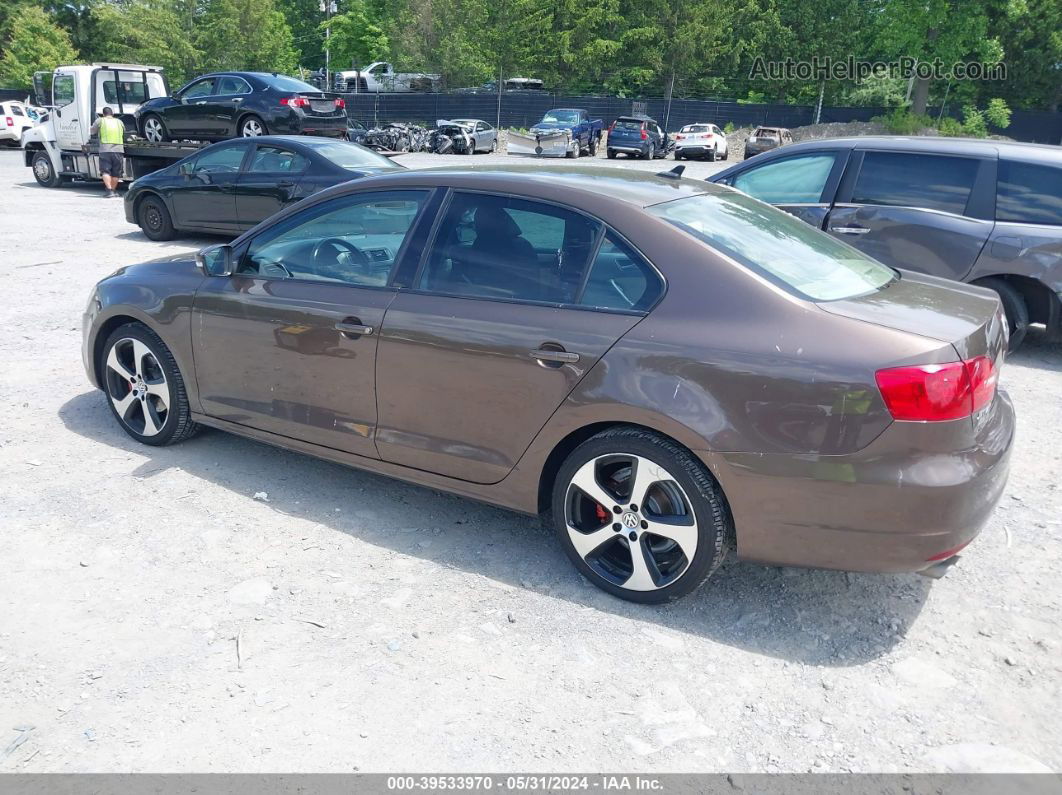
{"x":602,"y":513}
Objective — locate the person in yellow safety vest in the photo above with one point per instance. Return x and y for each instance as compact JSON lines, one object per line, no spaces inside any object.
{"x":112,"y":149}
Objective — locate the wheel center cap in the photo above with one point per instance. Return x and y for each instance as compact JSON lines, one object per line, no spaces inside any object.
{"x":630,"y":520}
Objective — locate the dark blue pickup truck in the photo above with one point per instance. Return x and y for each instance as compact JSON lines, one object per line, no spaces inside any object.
{"x":564,"y":132}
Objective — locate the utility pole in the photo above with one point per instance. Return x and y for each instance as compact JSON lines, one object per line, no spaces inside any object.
{"x":497,"y":123}
{"x":328,"y":7}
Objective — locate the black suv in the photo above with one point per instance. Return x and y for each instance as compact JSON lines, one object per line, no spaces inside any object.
{"x":984,"y":212}
{"x":230,"y":104}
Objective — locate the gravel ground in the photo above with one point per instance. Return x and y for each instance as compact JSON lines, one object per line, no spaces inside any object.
{"x":156,"y":616}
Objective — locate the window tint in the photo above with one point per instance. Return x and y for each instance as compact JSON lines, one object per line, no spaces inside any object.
{"x":350,"y":156}
{"x":273,"y":159}
{"x":627,"y":124}
{"x":912,"y":180}
{"x":130,"y":92}
{"x":353,"y":240}
{"x":225,"y":159}
{"x":774,"y":243}
{"x":794,"y":180}
{"x":233,"y":85}
{"x":204,"y":88}
{"x":620,"y":279}
{"x":283,"y":83}
{"x":16,"y":111}
{"x":63,"y":90}
{"x":496,"y":247}
{"x":1029,"y":193}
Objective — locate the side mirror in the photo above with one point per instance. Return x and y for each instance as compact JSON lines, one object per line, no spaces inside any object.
{"x":186,"y":169}
{"x":215,"y":260}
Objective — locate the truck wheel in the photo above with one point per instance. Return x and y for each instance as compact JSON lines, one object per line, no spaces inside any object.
{"x":610,"y":154}
{"x":593,"y":146}
{"x":154,"y":129}
{"x":43,"y":171}
{"x":154,"y":219}
{"x":1015,"y":311}
{"x":573,"y":153}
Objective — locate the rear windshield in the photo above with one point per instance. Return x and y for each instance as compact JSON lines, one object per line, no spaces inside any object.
{"x":628,"y":124}
{"x":763,"y":132}
{"x":694,"y":128}
{"x":777,"y":245}
{"x":349,"y":156}
{"x":284,"y":83}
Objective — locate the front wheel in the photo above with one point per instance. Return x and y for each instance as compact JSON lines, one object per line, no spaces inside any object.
{"x":610,"y":154}
{"x":639,"y":516}
{"x":593,"y":146}
{"x":44,"y":172}
{"x":144,"y":387}
{"x":154,"y":219}
{"x":252,"y":127}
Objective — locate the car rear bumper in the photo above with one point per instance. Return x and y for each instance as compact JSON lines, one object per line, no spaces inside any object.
{"x":693,"y":149}
{"x":627,"y":148}
{"x":313,"y":125}
{"x":900,"y":504}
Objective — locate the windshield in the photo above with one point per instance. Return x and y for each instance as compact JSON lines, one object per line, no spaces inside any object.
{"x":695,"y":128}
{"x":349,"y":156}
{"x":561,"y":117}
{"x":774,"y":243}
{"x":291,"y":84}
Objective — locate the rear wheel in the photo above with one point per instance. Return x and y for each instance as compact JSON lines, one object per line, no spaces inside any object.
{"x":678,"y":154}
{"x":43,"y":171}
{"x":711,"y":155}
{"x":610,"y":154}
{"x":1014,"y":308}
{"x":593,"y":146}
{"x":639,"y":516}
{"x":650,"y":153}
{"x":153,"y":128}
{"x":252,"y":127}
{"x":154,"y":219}
{"x":144,"y":387}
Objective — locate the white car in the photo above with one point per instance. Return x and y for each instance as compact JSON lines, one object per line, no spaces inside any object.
{"x":702,"y":140}
{"x":15,"y":118}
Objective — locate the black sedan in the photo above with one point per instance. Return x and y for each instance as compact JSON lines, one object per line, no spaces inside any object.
{"x":229,"y":187}
{"x":229,"y":104}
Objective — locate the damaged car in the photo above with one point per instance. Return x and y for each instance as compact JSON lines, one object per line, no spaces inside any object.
{"x":463,"y":137}
{"x":562,"y":132}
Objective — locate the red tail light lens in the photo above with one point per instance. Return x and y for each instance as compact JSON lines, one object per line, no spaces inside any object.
{"x":340,"y":104}
{"x":10,"y":122}
{"x":679,"y":137}
{"x":938,"y":392}
{"x":295,"y":102}
{"x":644,"y":135}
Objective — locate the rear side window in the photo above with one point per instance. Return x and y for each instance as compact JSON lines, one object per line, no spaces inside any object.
{"x":620,"y":279}
{"x":1030,"y":194}
{"x":17,"y":111}
{"x":233,"y":85}
{"x":776,"y":244}
{"x":273,"y":159}
{"x":900,"y":179}
{"x":794,"y":180}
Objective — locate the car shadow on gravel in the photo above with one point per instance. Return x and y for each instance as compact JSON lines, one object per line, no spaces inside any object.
{"x":1036,"y":351}
{"x":805,"y":616}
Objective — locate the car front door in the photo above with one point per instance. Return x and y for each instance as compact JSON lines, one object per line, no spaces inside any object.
{"x":803,"y":185}
{"x":488,"y":341}
{"x":915,"y":210}
{"x":188,"y":116}
{"x":223,"y":106}
{"x":268,"y":183}
{"x":288,"y":343}
{"x":205,"y":194}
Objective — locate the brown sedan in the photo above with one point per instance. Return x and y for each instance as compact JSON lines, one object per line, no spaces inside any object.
{"x":669,"y":369}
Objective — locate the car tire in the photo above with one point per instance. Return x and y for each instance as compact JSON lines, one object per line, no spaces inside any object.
{"x":571,"y":154}
{"x":154,"y":219}
{"x":650,"y":153}
{"x":1014,"y":308}
{"x":593,"y":146}
{"x":494,"y":146}
{"x":252,"y":127}
{"x":682,"y":499}
{"x":726,"y":152}
{"x":610,"y":154}
{"x":153,"y":128}
{"x":746,"y":155}
{"x":144,"y":388}
{"x":678,"y":154}
{"x":711,"y":155}
{"x":43,"y":171}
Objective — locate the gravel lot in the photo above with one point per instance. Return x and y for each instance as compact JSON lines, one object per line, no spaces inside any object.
{"x":155,"y":616}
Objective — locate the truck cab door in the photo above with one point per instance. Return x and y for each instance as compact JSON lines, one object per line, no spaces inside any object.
{"x":71,"y":111}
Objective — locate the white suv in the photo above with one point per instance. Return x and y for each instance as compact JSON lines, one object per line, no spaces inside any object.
{"x":15,"y":118}
{"x":702,"y":140}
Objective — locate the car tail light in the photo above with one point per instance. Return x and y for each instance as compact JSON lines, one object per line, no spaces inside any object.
{"x":10,"y":122}
{"x":645,"y":135}
{"x":938,"y":392}
{"x":340,"y":103}
{"x":295,"y":102}
{"x":612,"y":127}
{"x":679,"y":137}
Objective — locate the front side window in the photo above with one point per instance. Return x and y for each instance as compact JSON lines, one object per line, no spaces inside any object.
{"x":233,"y":85}
{"x":774,"y":243}
{"x":350,"y":240}
{"x":274,"y":160}
{"x":620,"y":279}
{"x":63,"y":90}
{"x":1028,"y":193}
{"x":223,"y":160}
{"x":204,"y":88}
{"x":794,"y":180}
{"x":902,"y":179}
{"x":509,"y":249}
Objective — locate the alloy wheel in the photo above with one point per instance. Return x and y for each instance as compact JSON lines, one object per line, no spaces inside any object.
{"x":630,"y":521}
{"x":137,"y":386}
{"x":251,"y":128}
{"x":153,"y":129}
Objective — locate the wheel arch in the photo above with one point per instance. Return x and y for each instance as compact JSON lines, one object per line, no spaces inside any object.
{"x":144,"y":194}
{"x":1037,"y":296}
{"x":103,"y":331}
{"x":246,"y":114}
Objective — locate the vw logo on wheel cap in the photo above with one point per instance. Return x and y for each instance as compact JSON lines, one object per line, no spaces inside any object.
{"x":630,"y":520}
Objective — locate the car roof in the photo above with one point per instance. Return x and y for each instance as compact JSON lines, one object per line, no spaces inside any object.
{"x":635,"y":117}
{"x":933,"y":144}
{"x":581,"y":184}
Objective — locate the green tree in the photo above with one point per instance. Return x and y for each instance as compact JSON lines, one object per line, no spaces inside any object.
{"x":34,"y":43}
{"x":152,"y":32}
{"x":1030,"y":32}
{"x":246,"y":34}
{"x":356,"y":39}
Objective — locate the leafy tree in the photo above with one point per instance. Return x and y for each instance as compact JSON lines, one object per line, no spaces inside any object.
{"x":1030,"y":32}
{"x":152,"y":32}
{"x":303,"y":17}
{"x":356,"y":39}
{"x":998,"y":113}
{"x":246,"y":34}
{"x":35,"y":43}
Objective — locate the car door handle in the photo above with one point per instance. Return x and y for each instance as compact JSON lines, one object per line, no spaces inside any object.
{"x":353,"y":329}
{"x":849,"y":230}
{"x":564,"y":357}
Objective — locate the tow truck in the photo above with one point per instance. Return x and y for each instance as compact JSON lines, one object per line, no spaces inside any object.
{"x":58,"y":149}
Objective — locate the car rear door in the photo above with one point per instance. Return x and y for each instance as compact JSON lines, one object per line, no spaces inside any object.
{"x":802,"y":184}
{"x":205,"y":194}
{"x":288,"y":343}
{"x":922,"y":211}
{"x":489,"y":339}
{"x":269,"y":182}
